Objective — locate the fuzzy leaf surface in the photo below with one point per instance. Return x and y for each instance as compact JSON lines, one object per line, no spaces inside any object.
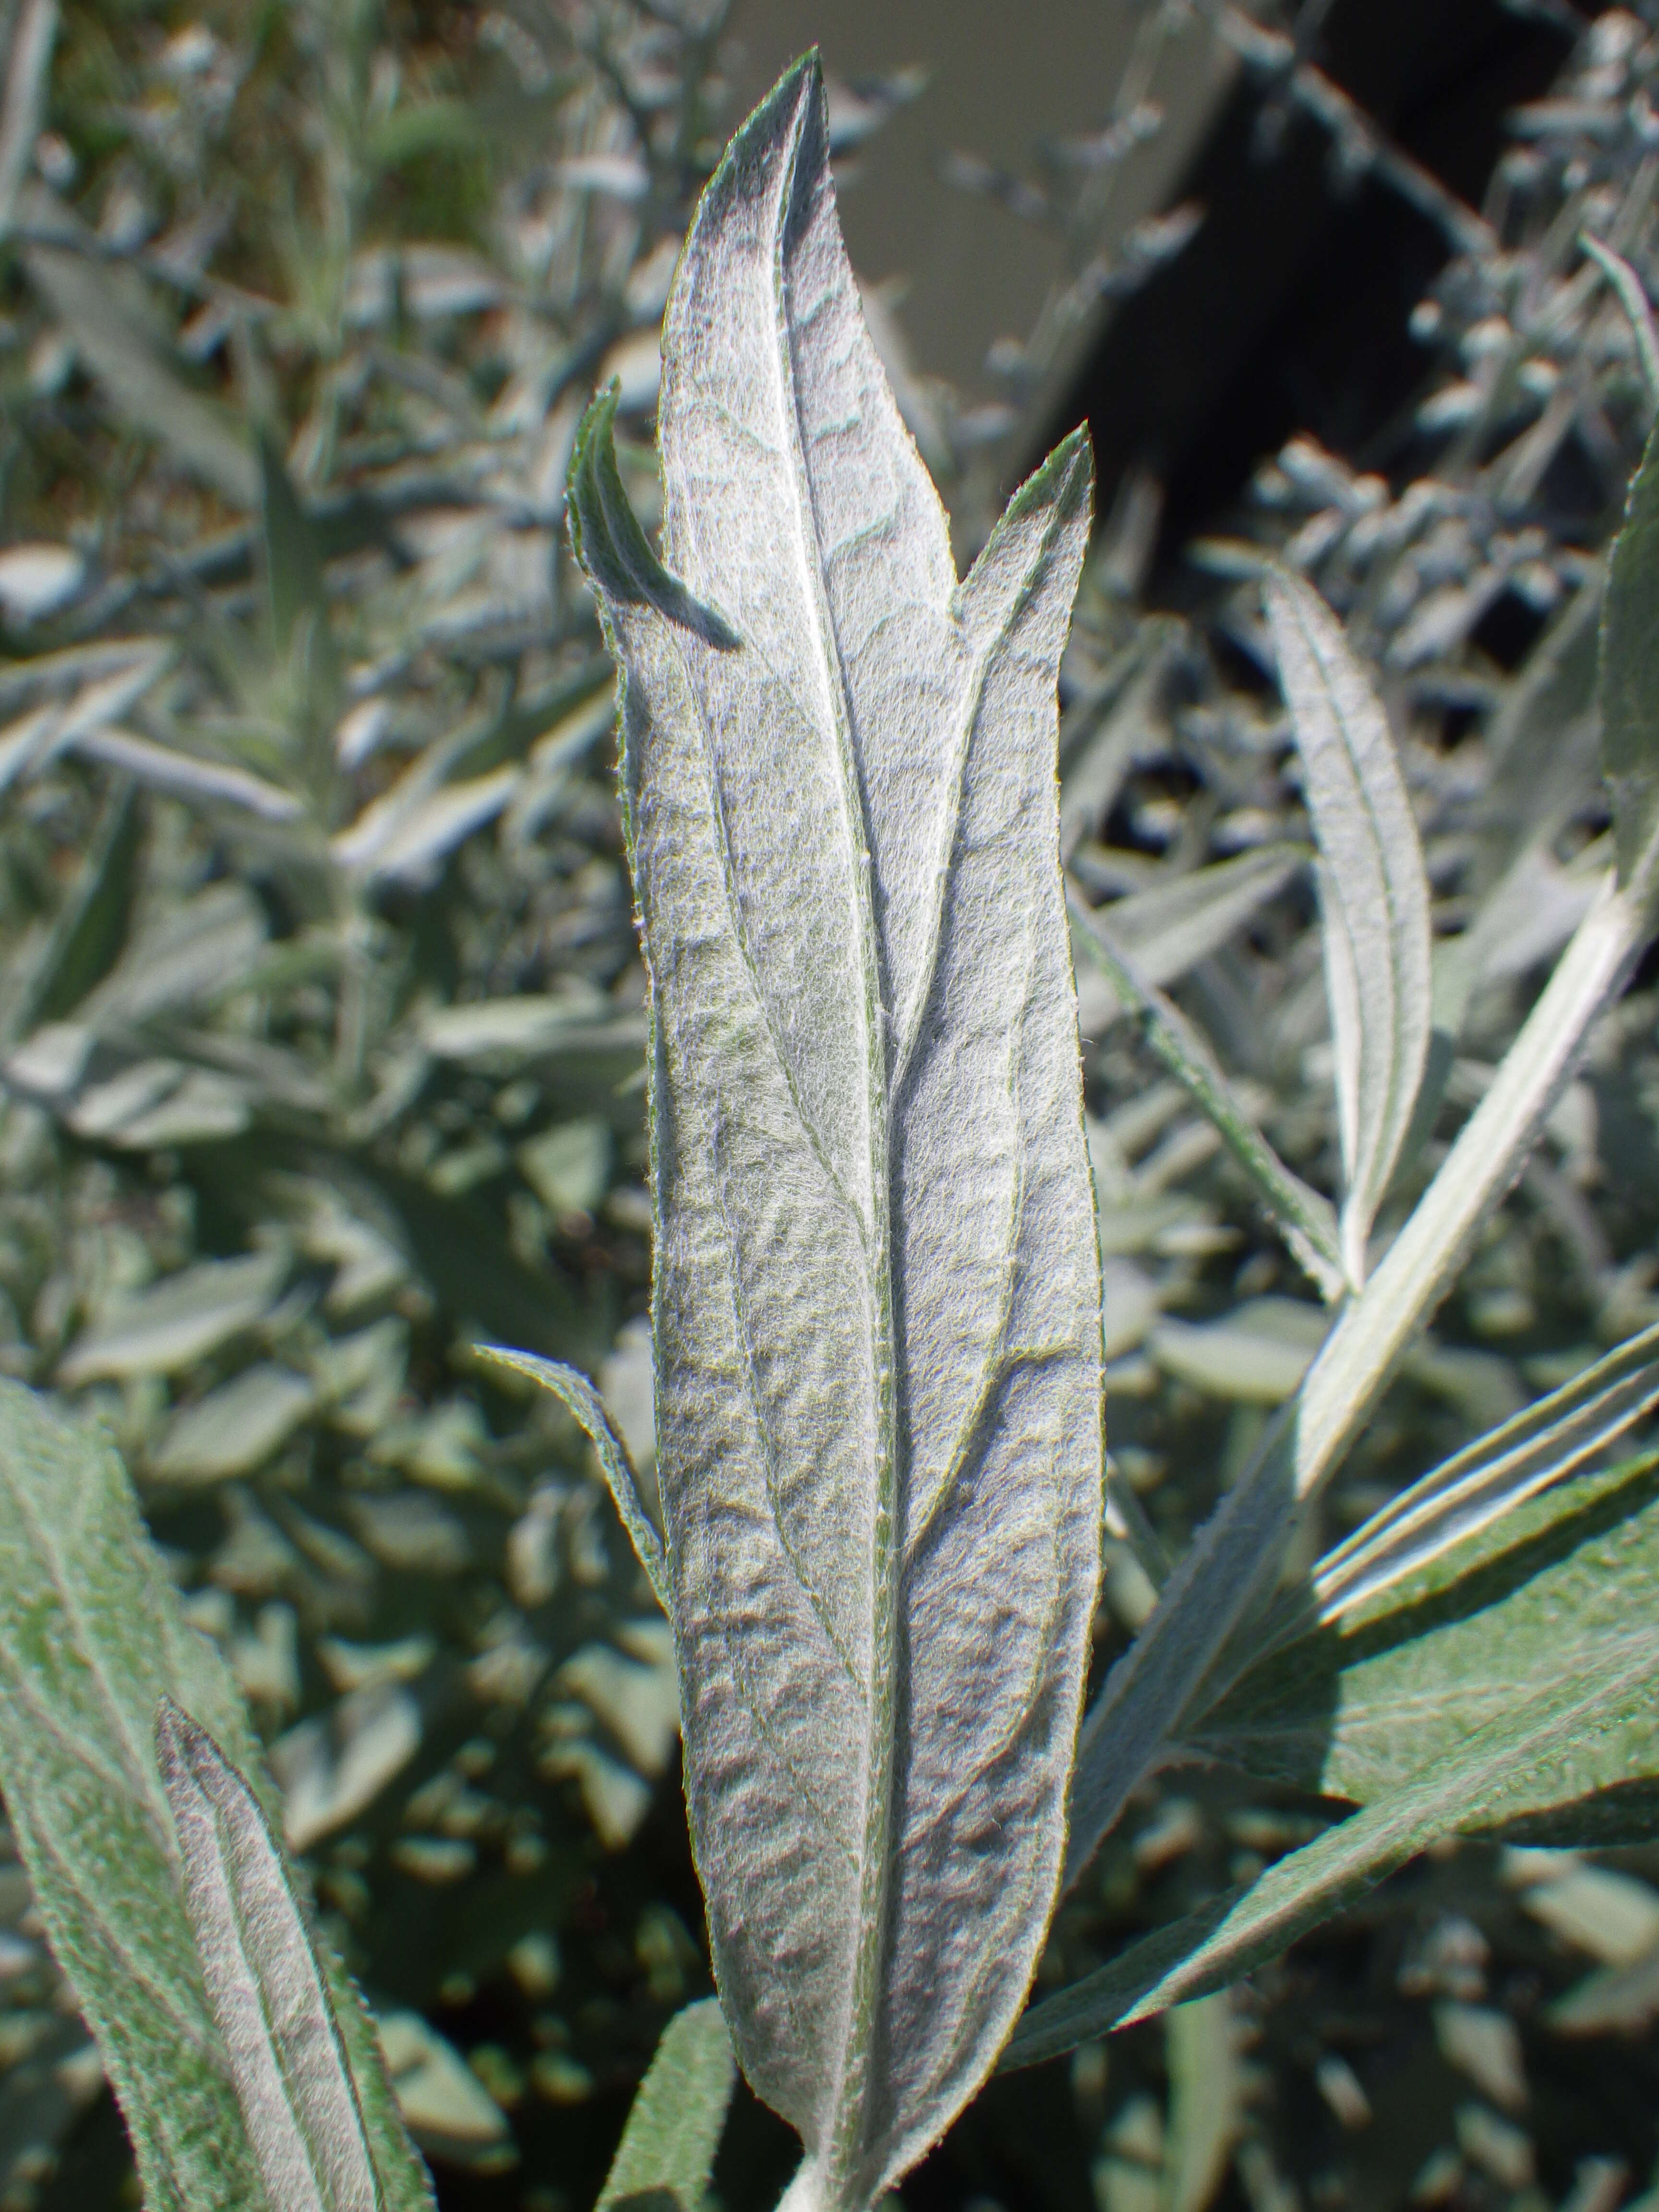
{"x":92,"y":1641}
{"x":876,"y":1300}
{"x":79,"y":1686}
{"x":1230,"y":1565}
{"x":263,"y":1986}
{"x":1491,"y":1477}
{"x":1373,"y":895}
{"x":667,"y":2151}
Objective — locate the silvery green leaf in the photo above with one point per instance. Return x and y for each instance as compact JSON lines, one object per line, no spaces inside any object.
{"x":1353,"y":1709}
{"x":674,"y":2126}
{"x":333,"y":1766}
{"x":876,"y":1302}
{"x":79,"y":1692}
{"x":86,"y":667}
{"x":1168,"y":927}
{"x":1543,"y":739}
{"x":78,"y":1689}
{"x":1493,"y":1476}
{"x":112,"y":682}
{"x":37,"y":579}
{"x":1119,"y":721}
{"x":187,"y":775}
{"x":1630,"y":674}
{"x":569,"y":1166}
{"x":444,"y":2105}
{"x":1373,"y":895}
{"x":1235,"y":1558}
{"x":1611,"y":1915}
{"x":25,"y":70}
{"x":1257,"y":1355}
{"x":295,"y":583}
{"x":180,"y":1319}
{"x":1206,"y":2100}
{"x":506,"y":1031}
{"x":1633,"y":299}
{"x":204,"y":946}
{"x":1479,"y":1783}
{"x":158,"y":1102}
{"x":103,"y":312}
{"x":402,"y":838}
{"x":622,"y":1479}
{"x":263,"y":1985}
{"x":235,"y":1428}
{"x":92,"y":927}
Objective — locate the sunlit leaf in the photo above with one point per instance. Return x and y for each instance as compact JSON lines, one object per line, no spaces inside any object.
{"x":84,"y":1794}
{"x":1630,"y":674}
{"x":1303,"y":1217}
{"x":1373,"y":895}
{"x":1233,"y":1561}
{"x":180,"y":1319}
{"x":876,"y":1297}
{"x":576,"y":1392}
{"x":1493,"y":1476}
{"x":119,"y":346}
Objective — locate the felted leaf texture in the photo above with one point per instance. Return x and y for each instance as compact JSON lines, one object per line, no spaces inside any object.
{"x":877,"y":1291}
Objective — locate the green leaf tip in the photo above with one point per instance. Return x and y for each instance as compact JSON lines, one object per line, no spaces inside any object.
{"x":675,"y":2125}
{"x":264,"y":1983}
{"x":621,"y":1478}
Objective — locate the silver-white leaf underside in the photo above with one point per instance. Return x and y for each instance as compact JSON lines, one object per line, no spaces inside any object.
{"x":876,"y":1299}
{"x":1373,"y":896}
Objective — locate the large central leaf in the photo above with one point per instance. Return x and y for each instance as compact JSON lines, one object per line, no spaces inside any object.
{"x":877,"y":1290}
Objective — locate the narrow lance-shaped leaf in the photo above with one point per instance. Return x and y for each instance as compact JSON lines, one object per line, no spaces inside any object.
{"x":1492,"y":1477}
{"x":1153,"y":1688}
{"x":675,"y":2122}
{"x":1354,"y":1710}
{"x":1633,"y":299}
{"x":584,"y":1401}
{"x":1630,"y":675}
{"x":102,"y":310}
{"x":263,"y":1985}
{"x":1168,"y":928}
{"x":1373,"y":896}
{"x":1475,"y":1784}
{"x":876,"y":1300}
{"x":24,"y":74}
{"x":92,"y":1641}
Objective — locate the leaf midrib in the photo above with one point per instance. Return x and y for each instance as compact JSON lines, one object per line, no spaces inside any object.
{"x":1397,"y":1107}
{"x":841,"y":2151}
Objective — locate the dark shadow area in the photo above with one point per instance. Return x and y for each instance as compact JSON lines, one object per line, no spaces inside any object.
{"x":1288,"y":311}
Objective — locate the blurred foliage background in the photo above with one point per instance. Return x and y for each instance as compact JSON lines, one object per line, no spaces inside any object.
{"x":321,"y":1028}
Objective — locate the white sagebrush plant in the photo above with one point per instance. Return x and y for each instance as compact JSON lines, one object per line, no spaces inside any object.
{"x":876,"y":1309}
